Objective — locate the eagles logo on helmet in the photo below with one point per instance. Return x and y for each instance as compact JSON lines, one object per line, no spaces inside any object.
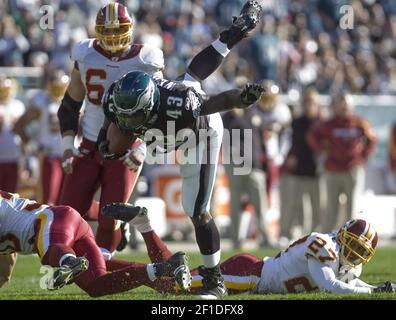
{"x":135,"y":99}
{"x":114,"y":28}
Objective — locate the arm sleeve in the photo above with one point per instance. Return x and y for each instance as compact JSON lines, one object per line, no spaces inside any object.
{"x":326,"y":280}
{"x":361,"y":284}
{"x":153,"y":59}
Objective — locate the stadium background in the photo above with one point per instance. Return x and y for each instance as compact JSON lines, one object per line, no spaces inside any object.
{"x":300,"y":43}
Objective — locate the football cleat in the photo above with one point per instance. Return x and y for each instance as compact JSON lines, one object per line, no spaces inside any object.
{"x":176,"y":266}
{"x":71,"y":268}
{"x":125,"y":236}
{"x":243,"y":24}
{"x":123,"y":211}
{"x":213,"y":284}
{"x":385,"y":287}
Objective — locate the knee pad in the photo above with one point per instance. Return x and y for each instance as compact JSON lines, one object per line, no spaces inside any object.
{"x":201,"y":219}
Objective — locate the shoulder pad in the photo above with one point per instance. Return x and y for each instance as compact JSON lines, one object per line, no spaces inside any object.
{"x":321,"y":247}
{"x":80,"y":49}
{"x":152,"y":57}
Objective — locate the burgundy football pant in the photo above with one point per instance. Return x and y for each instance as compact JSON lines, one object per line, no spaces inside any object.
{"x":90,"y":172}
{"x":68,"y":233}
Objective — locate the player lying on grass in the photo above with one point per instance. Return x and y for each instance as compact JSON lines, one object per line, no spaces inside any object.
{"x":317,"y":262}
{"x":63,"y":239}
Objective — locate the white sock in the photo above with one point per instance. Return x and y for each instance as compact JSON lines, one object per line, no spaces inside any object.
{"x":221,"y":47}
{"x":67,"y":255}
{"x":144,"y":227}
{"x":151,"y":271}
{"x":212,"y":260}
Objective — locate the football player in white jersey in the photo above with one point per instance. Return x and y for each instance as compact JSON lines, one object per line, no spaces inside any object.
{"x":63,"y":239}
{"x":317,"y":262}
{"x":98,"y":63}
{"x":10,"y":150}
{"x":43,"y":108}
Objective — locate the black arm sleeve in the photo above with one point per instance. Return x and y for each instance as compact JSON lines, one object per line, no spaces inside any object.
{"x":205,"y":63}
{"x":68,"y":113}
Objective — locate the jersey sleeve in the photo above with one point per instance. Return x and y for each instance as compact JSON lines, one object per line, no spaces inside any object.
{"x":321,"y":247}
{"x":325,"y":278}
{"x":152,"y":58}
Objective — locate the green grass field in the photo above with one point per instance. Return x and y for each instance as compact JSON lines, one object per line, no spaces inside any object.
{"x":26,"y":277}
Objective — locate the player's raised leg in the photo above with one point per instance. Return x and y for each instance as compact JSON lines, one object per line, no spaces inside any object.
{"x":137,"y":216}
{"x":209,"y":59}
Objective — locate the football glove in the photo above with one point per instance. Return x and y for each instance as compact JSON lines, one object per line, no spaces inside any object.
{"x":103,"y":146}
{"x":385,"y":287}
{"x":251,"y":93}
{"x":241,"y":25}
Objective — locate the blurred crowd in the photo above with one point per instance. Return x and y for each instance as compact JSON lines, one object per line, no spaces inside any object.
{"x":299,"y":49}
{"x":299,"y":43}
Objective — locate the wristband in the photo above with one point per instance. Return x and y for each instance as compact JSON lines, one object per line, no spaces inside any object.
{"x":68,"y":142}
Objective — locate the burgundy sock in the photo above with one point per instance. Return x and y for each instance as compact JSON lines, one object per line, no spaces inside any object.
{"x":93,"y":212}
{"x":54,"y":253}
{"x":121,"y":280}
{"x":156,"y":248}
{"x":115,"y":264}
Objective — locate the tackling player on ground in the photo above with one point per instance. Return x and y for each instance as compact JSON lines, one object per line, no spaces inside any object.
{"x":317,"y":262}
{"x":138,"y":103}
{"x":62,"y":239}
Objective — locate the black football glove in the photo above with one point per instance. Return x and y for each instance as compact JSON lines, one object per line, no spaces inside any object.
{"x":385,"y":287}
{"x":251,"y":93}
{"x":241,"y":25}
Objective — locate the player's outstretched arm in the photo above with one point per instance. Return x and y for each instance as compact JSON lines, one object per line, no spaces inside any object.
{"x":326,"y":280}
{"x":7,"y":263}
{"x":231,"y":99}
{"x":210,"y":58}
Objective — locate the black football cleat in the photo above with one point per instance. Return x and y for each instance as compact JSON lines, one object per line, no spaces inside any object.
{"x":213,"y":284}
{"x":71,"y":268}
{"x":243,"y":24}
{"x":123,"y":211}
{"x":176,"y":266}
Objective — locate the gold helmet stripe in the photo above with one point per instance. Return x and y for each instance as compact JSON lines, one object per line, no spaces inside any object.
{"x":369,"y":234}
{"x":111,"y":12}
